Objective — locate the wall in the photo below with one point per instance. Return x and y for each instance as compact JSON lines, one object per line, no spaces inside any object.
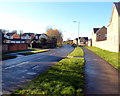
{"x":14,"y":47}
{"x":113,"y":30}
{"x":105,"y":45}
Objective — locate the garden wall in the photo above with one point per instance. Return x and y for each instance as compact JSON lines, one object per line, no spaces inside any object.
{"x":106,"y":45}
{"x":14,"y":47}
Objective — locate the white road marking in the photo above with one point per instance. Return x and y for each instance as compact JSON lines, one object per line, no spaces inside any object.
{"x":35,"y":67}
{"x":16,"y":65}
{"x":31,"y":73}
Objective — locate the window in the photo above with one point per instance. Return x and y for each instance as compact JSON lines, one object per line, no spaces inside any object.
{"x":105,"y":35}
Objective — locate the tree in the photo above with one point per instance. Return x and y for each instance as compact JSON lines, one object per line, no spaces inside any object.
{"x":55,"y":33}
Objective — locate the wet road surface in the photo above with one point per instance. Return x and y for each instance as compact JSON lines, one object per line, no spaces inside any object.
{"x":16,"y":72}
{"x":100,"y":76}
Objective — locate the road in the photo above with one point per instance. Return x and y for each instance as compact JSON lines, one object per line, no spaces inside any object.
{"x":18,"y":71}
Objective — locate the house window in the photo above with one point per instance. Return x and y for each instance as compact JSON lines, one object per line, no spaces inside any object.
{"x":98,"y":34}
{"x":105,"y":35}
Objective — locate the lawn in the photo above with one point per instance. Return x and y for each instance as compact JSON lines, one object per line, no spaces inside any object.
{"x":33,"y":52}
{"x":77,"y":52}
{"x":4,"y":57}
{"x":111,"y":57}
{"x":66,"y":77}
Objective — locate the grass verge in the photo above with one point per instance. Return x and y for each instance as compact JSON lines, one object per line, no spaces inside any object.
{"x":77,"y":52}
{"x":111,"y":57}
{"x":18,"y":51}
{"x":33,"y":52}
{"x":4,"y":57}
{"x":66,"y":77}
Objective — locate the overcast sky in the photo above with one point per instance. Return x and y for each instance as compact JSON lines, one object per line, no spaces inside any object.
{"x":37,"y":16}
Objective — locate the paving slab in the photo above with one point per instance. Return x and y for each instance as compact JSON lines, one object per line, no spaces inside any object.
{"x":100,"y":76}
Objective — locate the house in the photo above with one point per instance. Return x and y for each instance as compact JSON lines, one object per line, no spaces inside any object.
{"x":83,"y":41}
{"x":68,"y":42}
{"x":15,"y":41}
{"x":100,"y":34}
{"x":28,"y":37}
{"x":39,"y":36}
{"x":111,"y":40}
{"x":89,"y":42}
{"x":75,"y":41}
{"x":12,"y":35}
{"x":94,"y":33}
{"x":113,"y":35}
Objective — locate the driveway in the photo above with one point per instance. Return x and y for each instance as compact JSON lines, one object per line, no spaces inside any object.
{"x":18,"y":71}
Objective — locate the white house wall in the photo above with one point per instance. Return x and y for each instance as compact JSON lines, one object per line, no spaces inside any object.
{"x":112,"y":42}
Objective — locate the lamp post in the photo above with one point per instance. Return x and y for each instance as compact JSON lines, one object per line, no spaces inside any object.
{"x":78,"y":31}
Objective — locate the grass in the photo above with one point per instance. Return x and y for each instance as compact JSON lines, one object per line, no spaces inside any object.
{"x":18,"y":51}
{"x":77,"y":52}
{"x":66,"y":77}
{"x":33,"y":52}
{"x":111,"y":57}
{"x":4,"y":57}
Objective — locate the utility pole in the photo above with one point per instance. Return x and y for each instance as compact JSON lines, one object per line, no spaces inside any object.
{"x":78,"y":31}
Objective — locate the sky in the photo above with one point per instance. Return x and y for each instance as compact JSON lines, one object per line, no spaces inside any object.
{"x":36,"y":17}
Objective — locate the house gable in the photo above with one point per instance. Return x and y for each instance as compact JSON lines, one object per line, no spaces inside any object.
{"x":101,"y":34}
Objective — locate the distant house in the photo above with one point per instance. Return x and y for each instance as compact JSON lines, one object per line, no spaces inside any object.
{"x":89,"y":42}
{"x":94,"y":33}
{"x":39,"y":36}
{"x":100,"y":34}
{"x":12,"y":36}
{"x":75,"y":41}
{"x":28,"y":37}
{"x":83,"y":41}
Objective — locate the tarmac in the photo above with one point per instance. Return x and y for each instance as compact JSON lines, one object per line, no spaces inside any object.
{"x":100,"y":76}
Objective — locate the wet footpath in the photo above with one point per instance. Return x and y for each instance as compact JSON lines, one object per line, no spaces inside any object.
{"x":100,"y":76}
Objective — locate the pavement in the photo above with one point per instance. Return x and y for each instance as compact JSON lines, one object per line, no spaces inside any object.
{"x":22,"y":69}
{"x":100,"y":76}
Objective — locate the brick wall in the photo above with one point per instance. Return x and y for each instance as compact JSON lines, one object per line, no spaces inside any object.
{"x":4,"y":47}
{"x":14,"y":47}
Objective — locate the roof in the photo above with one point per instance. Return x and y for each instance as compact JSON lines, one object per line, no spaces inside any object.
{"x":10,"y":34}
{"x":30,"y":34}
{"x":95,"y":30}
{"x":117,"y":5}
{"x":101,"y":29}
{"x":86,"y":38}
{"x":37,"y":34}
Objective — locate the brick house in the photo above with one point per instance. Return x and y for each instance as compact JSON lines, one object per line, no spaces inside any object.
{"x":101,"y":34}
{"x":83,"y":41}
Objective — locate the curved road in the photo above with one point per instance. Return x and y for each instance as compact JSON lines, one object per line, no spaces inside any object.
{"x":16,"y":72}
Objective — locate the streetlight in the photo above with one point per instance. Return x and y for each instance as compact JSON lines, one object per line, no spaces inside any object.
{"x":78,"y":31}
